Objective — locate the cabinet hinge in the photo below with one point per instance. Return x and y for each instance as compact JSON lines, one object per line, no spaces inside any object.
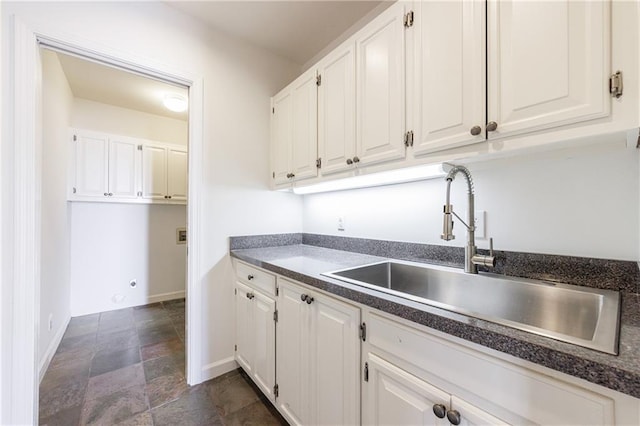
{"x":277,"y":291}
{"x":235,"y":348}
{"x":638,"y":143}
{"x":408,"y":138}
{"x":615,"y":84}
{"x":235,"y":291}
{"x":75,"y":138}
{"x":74,"y":190}
{"x":275,"y":315}
{"x":273,"y":174}
{"x":366,"y":371}
{"x":139,"y":193}
{"x":273,"y":110}
{"x":363,"y":332}
{"x":139,"y":147}
{"x":276,"y":390}
{"x":318,"y":80}
{"x":408,"y":19}
{"x":318,"y":163}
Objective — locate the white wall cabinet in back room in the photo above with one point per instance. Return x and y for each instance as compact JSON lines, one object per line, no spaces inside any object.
{"x":294,"y":127}
{"x":104,"y":166}
{"x":164,"y":173}
{"x":318,"y":350}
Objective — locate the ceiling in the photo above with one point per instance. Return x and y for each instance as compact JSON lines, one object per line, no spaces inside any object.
{"x":297,"y":29}
{"x":113,"y":86}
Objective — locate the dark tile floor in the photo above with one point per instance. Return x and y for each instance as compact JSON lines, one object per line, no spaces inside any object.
{"x":127,"y":367}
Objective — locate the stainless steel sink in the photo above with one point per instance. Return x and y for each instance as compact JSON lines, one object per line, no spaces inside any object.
{"x":579,"y":315}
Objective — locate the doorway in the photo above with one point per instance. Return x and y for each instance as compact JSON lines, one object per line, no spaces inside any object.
{"x":21,"y":211}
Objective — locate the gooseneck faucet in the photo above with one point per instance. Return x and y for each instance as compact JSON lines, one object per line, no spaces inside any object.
{"x":471,"y":258}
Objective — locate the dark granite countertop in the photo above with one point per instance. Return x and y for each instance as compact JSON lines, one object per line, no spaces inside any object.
{"x":305,"y":263}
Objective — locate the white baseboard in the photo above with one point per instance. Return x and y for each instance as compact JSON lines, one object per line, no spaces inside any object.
{"x":166,"y":296}
{"x":53,"y":347}
{"x":218,"y":368}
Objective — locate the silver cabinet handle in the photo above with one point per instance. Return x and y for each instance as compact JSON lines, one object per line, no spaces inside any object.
{"x":249,"y":277}
{"x":356,"y":159}
{"x":106,"y":194}
{"x":454,"y":417}
{"x":309,"y":300}
{"x":439,"y":410}
{"x":303,"y":297}
{"x":475,"y":130}
{"x":492,"y":126}
{"x":349,"y":161}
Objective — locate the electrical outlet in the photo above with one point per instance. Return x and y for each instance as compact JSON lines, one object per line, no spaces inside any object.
{"x":341,"y":223}
{"x":479,"y":222}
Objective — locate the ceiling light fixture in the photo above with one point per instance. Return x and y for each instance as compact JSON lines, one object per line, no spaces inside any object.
{"x":390,"y":177}
{"x":175,"y":103}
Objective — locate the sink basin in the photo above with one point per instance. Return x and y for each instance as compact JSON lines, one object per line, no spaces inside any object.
{"x":578,"y":315}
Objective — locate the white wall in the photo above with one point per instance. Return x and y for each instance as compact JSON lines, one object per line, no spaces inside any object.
{"x":112,"y":244}
{"x":55,"y":270}
{"x":101,"y":117}
{"x":238,"y":82}
{"x":581,"y":202}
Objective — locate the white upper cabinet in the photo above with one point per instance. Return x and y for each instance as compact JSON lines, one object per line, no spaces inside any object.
{"x":91,"y":164}
{"x":105,"y":167}
{"x":294,"y":132}
{"x":449,"y":88}
{"x":123,"y":167}
{"x":177,"y":176}
{"x":110,"y":168}
{"x":154,"y":171}
{"x":337,"y":109}
{"x":281,"y":136}
{"x":380,"y":90}
{"x":305,"y":127}
{"x":164,"y":173}
{"x":548,"y":64}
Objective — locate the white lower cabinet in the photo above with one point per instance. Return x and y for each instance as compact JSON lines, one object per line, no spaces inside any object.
{"x":255,"y":336}
{"x":318,"y":351}
{"x":396,"y":397}
{"x":303,"y":349}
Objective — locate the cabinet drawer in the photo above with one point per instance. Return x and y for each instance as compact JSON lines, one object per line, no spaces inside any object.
{"x":256,"y":278}
{"x":508,"y":391}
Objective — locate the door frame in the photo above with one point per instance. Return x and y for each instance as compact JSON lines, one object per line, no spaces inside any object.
{"x":20,"y":208}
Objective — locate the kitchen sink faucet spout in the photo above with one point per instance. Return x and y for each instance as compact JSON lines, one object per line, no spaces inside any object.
{"x":471,"y":258}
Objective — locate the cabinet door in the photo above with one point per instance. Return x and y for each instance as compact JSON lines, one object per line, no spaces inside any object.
{"x":123,"y":168}
{"x":244,"y":329}
{"x":281,"y":136}
{"x":337,"y":109}
{"x":335,"y":355}
{"x":264,"y":354}
{"x":380,"y":88}
{"x":293,"y":354}
{"x":154,"y":171}
{"x":177,"y":160}
{"x":448,"y":75}
{"x":92,"y":164}
{"x":304,"y":147}
{"x":471,"y":415}
{"x":395,"y":397}
{"x":548,"y":63}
